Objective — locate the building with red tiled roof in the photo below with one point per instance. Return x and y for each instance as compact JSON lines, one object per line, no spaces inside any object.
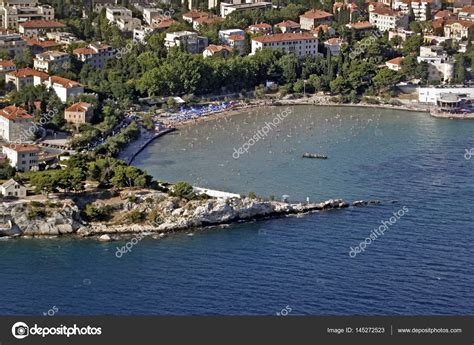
{"x":323,"y":28}
{"x":14,"y":124}
{"x":95,"y":55}
{"x":40,"y":27}
{"x":206,"y":20}
{"x":38,"y":46}
{"x":79,"y":113}
{"x":334,"y":45}
{"x":213,"y":50}
{"x":288,"y":26}
{"x":7,"y":66}
{"x":395,"y":64}
{"x":300,"y":44}
{"x":65,"y":89}
{"x":459,"y":29}
{"x":261,"y":28}
{"x":386,"y":19}
{"x":466,"y":13}
{"x":311,"y":19}
{"x":23,"y":157}
{"x":25,"y":77}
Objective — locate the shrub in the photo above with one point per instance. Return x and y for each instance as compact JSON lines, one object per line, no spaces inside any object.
{"x":135,"y":216}
{"x":183,"y":190}
{"x":97,"y":213}
{"x":36,"y":212}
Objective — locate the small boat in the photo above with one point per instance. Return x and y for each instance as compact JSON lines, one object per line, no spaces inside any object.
{"x":314,"y":155}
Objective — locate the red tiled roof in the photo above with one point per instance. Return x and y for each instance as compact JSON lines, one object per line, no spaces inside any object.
{"x":66,"y":83}
{"x":261,"y":26}
{"x":396,"y":61}
{"x":443,"y":14}
{"x":217,"y":48}
{"x":84,"y":51}
{"x":39,"y":24}
{"x":236,"y":38}
{"x":28,"y":72}
{"x":361,"y":25}
{"x":465,"y":23}
{"x":195,"y":14}
{"x":284,"y":37}
{"x":80,"y":106}
{"x":468,"y":9}
{"x":7,"y":63}
{"x":13,"y":112}
{"x":316,"y":14}
{"x":288,"y":24}
{"x":208,"y":20}
{"x":43,"y":44}
{"x":165,"y":23}
{"x":24,"y":148}
{"x":333,"y":41}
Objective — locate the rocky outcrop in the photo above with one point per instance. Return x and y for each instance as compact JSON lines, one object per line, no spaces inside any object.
{"x":146,"y":211}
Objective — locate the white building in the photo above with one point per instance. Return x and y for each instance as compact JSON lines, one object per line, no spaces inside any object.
{"x":7,"y":66}
{"x":432,"y":94}
{"x":441,"y":66}
{"x":14,"y":12}
{"x":95,"y":55}
{"x":51,"y":59}
{"x":40,"y":27}
{"x":394,"y":64}
{"x":23,"y":157}
{"x":188,"y":40}
{"x":13,"y":188}
{"x":65,"y":89}
{"x":15,"y":124}
{"x":149,"y":13}
{"x":313,"y":18}
{"x":122,"y":17}
{"x":334,"y":45}
{"x":300,"y":44}
{"x":225,"y":34}
{"x":25,"y":77}
{"x":387,"y":19}
{"x":228,"y":7}
{"x":466,"y":13}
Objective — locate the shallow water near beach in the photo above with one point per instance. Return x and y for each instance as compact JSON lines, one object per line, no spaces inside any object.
{"x":422,"y":265}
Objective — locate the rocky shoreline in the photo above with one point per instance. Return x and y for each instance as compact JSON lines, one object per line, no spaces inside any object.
{"x":158,"y":212}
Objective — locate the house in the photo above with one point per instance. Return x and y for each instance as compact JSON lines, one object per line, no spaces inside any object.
{"x":207,"y":20}
{"x":40,"y":27}
{"x":25,"y":77}
{"x":466,"y":13}
{"x":41,"y":45}
{"x":228,"y":7}
{"x":65,"y":38}
{"x":188,"y":40}
{"x":13,"y":188}
{"x":395,"y":64}
{"x":237,"y":42}
{"x":260,"y":29}
{"x":23,"y":157}
{"x":122,"y":17}
{"x":79,"y":113}
{"x":6,"y":66}
{"x":95,"y":55}
{"x":334,"y":45}
{"x":440,"y":64}
{"x":12,"y":44}
{"x":288,"y":26}
{"x":421,"y":9}
{"x":190,"y":17}
{"x":161,"y":23}
{"x":300,"y":44}
{"x":360,"y":28}
{"x":444,"y":14}
{"x":14,"y":12}
{"x":458,"y":29}
{"x":225,"y":34}
{"x":216,"y":50}
{"x":323,"y":29}
{"x":311,"y":19}
{"x":51,"y":59}
{"x":387,"y":19}
{"x":65,"y":89}
{"x":100,"y":4}
{"x":15,"y":124}
{"x":149,"y":13}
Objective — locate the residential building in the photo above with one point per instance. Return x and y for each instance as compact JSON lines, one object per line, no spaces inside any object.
{"x":260,"y":29}
{"x":41,"y":45}
{"x":440,"y":65}
{"x":403,"y":34}
{"x":288,"y":26}
{"x":50,"y":60}
{"x":323,"y":29}
{"x":421,"y":8}
{"x":40,"y":27}
{"x":23,"y":157}
{"x":65,"y":89}
{"x":14,"y":12}
{"x":225,"y":34}
{"x":387,"y":19}
{"x":79,"y":113}
{"x":12,"y":44}
{"x":6,"y":66}
{"x":191,"y":16}
{"x":210,"y":19}
{"x":123,"y":18}
{"x":466,"y":13}
{"x":432,"y":94}
{"x":65,"y":38}
{"x":161,"y":23}
{"x":150,"y":13}
{"x":458,"y":29}
{"x":187,"y":40}
{"x":13,"y":188}
{"x":95,"y":55}
{"x":15,"y":124}
{"x":237,"y":42}
{"x":360,"y":28}
{"x":229,"y":7}
{"x":25,"y":77}
{"x":311,"y":19}
{"x":213,"y":50}
{"x":334,"y":45}
{"x":395,"y":64}
{"x":300,"y":44}
{"x":444,"y":14}
{"x":98,"y":5}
